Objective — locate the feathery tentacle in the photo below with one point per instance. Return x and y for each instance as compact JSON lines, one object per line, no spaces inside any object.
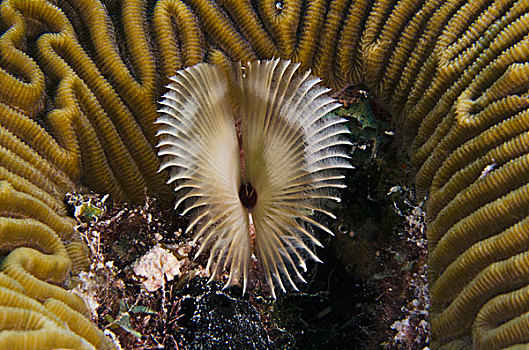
{"x":264,"y":184}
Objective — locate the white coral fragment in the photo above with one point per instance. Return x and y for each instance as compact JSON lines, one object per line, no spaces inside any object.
{"x":156,"y":264}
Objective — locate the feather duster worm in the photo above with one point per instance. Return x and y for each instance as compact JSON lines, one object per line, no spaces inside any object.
{"x":253,"y":156}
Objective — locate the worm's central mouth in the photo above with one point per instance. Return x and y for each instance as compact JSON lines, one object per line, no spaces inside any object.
{"x":248,"y":195}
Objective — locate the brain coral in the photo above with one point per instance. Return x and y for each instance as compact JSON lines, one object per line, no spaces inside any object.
{"x":79,"y":84}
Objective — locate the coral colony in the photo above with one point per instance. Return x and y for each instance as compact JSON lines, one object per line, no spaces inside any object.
{"x":80,"y":85}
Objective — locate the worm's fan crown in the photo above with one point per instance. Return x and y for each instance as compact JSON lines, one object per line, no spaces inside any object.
{"x":257,"y":199}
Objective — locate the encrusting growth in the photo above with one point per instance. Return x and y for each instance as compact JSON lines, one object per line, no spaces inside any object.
{"x":253,"y":171}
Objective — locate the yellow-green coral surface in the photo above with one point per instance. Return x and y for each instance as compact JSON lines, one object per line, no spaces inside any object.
{"x":79,"y":81}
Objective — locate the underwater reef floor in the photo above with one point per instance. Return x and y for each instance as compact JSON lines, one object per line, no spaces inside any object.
{"x":370,"y":291}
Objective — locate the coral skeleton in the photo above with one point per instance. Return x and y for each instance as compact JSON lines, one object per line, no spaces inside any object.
{"x":156,"y":267}
{"x":253,"y":153}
